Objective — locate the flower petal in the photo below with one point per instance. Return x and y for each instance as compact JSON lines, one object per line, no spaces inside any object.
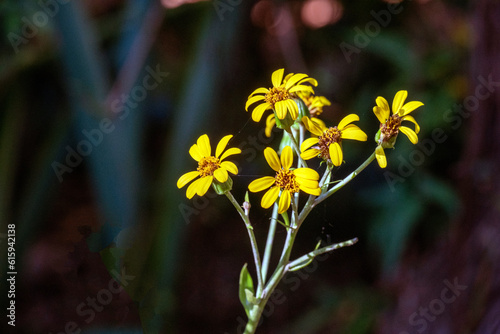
{"x":310,"y":80}
{"x":382,"y":114}
{"x":281,"y":109}
{"x":277,"y":77}
{"x":306,"y":173}
{"x":307,"y":183}
{"x":336,"y":155}
{"x":221,"y":146}
{"x":316,"y":191}
{"x":272,"y":159}
{"x":284,"y":202}
{"x":380,"y":155}
{"x":309,"y":154}
{"x":195,"y":152}
{"x":399,"y":100}
{"x":270,"y":123}
{"x":186,"y":178}
{"x":412,"y":136}
{"x":311,"y":126}
{"x":293,"y":109}
{"x":353,"y":132}
{"x":229,"y":166}
{"x":411,"y":119}
{"x":346,"y":120}
{"x":286,"y":157}
{"x":294,"y":79}
{"x":270,"y":197}
{"x":308,"y":143}
{"x":221,"y":175}
{"x":301,"y":88}
{"x":199,"y":186}
{"x":231,"y":151}
{"x":204,"y":145}
{"x":259,"y":110}
{"x":409,"y":107}
{"x":260,"y":90}
{"x":383,"y":104}
{"x":261,"y":184}
{"x":254,"y":99}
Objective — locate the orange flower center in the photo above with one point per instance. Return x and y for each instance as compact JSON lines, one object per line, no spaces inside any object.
{"x":391,"y":128}
{"x":208,"y":165}
{"x":330,"y":136}
{"x":285,"y":180}
{"x":276,"y":94}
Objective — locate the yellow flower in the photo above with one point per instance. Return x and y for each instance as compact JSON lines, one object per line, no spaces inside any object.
{"x":280,"y":97}
{"x":286,"y":182}
{"x":209,"y":167}
{"x":328,"y":143}
{"x":391,"y":125}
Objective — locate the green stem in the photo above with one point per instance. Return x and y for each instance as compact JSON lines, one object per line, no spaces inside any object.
{"x":253,"y":241}
{"x":296,"y":148}
{"x":269,"y":242}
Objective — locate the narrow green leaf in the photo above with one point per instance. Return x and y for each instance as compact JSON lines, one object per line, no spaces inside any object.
{"x":246,"y":290}
{"x":307,"y":261}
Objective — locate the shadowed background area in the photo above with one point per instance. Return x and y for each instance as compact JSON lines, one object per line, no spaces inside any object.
{"x":101,"y":100}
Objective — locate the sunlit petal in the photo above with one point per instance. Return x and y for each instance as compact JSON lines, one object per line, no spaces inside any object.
{"x":383,"y":104}
{"x":277,"y":77}
{"x":309,"y":154}
{"x":270,"y":123}
{"x":231,"y":151}
{"x":308,"y":143}
{"x":284,"y":202}
{"x":204,"y":145}
{"x":301,"y":88}
{"x":316,"y":191}
{"x":204,"y":184}
{"x":259,"y":110}
{"x":410,"y":134}
{"x":272,"y":159}
{"x":411,"y":119}
{"x":281,"y":108}
{"x":306,"y":173}
{"x":253,"y":99}
{"x":353,"y":132}
{"x":409,"y":107}
{"x":382,"y":114}
{"x":399,"y":100}
{"x":308,"y":183}
{"x":221,"y":146}
{"x":286,"y":157}
{"x":229,"y":166}
{"x":293,"y":109}
{"x":261,"y":184}
{"x":195,"y":152}
{"x":260,"y":90}
{"x":336,"y":155}
{"x":221,"y":175}
{"x":346,"y":120}
{"x":380,"y":155}
{"x":311,"y":126}
{"x":270,"y":197}
{"x":186,"y":178}
{"x":294,"y":79}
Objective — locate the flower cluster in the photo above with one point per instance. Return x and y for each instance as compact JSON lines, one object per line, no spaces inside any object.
{"x":294,"y":105}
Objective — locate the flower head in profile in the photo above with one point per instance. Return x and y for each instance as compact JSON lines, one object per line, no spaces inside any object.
{"x":280,"y":97}
{"x":390,"y":125}
{"x":286,"y":182}
{"x":328,"y":143}
{"x":210,"y":168}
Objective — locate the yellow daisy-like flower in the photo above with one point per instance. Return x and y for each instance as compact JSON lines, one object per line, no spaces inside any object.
{"x":209,"y":167}
{"x":280,"y":97}
{"x":328,"y":144}
{"x":286,"y":182}
{"x":390,"y":125}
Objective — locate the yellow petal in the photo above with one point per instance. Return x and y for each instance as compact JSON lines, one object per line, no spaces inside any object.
{"x":195,"y":153}
{"x":186,"y":178}
{"x":293,"y":109}
{"x":221,"y":146}
{"x":261,"y":90}
{"x":353,"y":132}
{"x":319,"y":123}
{"x":229,"y":166}
{"x":253,"y":99}
{"x":309,"y":154}
{"x":380,"y":155}
{"x":411,"y":119}
{"x":399,"y":100}
{"x":381,"y":113}
{"x":259,"y":110}
{"x":409,"y":107}
{"x":272,"y":159}
{"x":301,"y":88}
{"x":270,"y":197}
{"x":336,"y":155}
{"x":383,"y":104}
{"x":277,"y":77}
{"x":204,"y":145}
{"x":311,"y":126}
{"x":270,"y":122}
{"x":294,"y":79}
{"x":307,"y":183}
{"x":231,"y":151}
{"x":308,"y":143}
{"x":261,"y":184}
{"x":286,"y":157}
{"x":199,"y":186}
{"x":221,"y":175}
{"x":281,"y":109}
{"x":284,"y":202}
{"x":316,"y":191}
{"x":310,"y":80}
{"x":346,"y":120}
{"x":306,"y":173}
{"x":409,"y":133}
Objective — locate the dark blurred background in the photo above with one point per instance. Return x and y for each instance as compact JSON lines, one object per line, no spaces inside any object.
{"x":101,"y":100}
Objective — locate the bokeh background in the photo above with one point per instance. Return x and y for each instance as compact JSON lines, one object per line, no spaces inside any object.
{"x":101,"y":100}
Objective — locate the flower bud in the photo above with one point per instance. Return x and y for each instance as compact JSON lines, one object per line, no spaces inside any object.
{"x":223,"y":188}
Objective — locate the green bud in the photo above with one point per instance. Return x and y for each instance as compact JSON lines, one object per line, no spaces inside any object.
{"x":285,"y":123}
{"x":303,"y":109}
{"x":222,"y":188}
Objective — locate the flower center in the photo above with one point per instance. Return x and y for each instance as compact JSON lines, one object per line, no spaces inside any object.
{"x":391,"y":128}
{"x":285,"y":180}
{"x":330,"y":136}
{"x":208,"y":165}
{"x":276,"y":94}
